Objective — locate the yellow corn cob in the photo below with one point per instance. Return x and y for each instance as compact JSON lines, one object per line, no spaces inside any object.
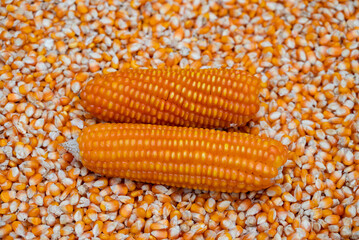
{"x":181,"y":97}
{"x":183,"y":157}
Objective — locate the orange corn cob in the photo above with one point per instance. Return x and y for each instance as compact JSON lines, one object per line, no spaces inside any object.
{"x":183,"y":157}
{"x":182,"y":97}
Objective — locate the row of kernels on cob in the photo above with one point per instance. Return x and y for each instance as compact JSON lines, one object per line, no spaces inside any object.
{"x":183,"y":157}
{"x":182,"y":97}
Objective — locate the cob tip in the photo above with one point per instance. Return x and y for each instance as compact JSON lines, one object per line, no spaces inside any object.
{"x":72,"y":147}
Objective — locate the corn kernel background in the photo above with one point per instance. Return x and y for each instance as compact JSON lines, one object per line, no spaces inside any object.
{"x":304,"y":52}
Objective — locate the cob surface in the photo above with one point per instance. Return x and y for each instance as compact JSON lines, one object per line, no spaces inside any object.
{"x":181,"y":97}
{"x":183,"y":157}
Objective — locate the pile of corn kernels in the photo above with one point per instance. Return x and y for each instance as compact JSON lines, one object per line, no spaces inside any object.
{"x":305,"y":52}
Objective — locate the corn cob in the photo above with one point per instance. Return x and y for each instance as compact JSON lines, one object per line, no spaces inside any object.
{"x":181,"y":97}
{"x":196,"y":158}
